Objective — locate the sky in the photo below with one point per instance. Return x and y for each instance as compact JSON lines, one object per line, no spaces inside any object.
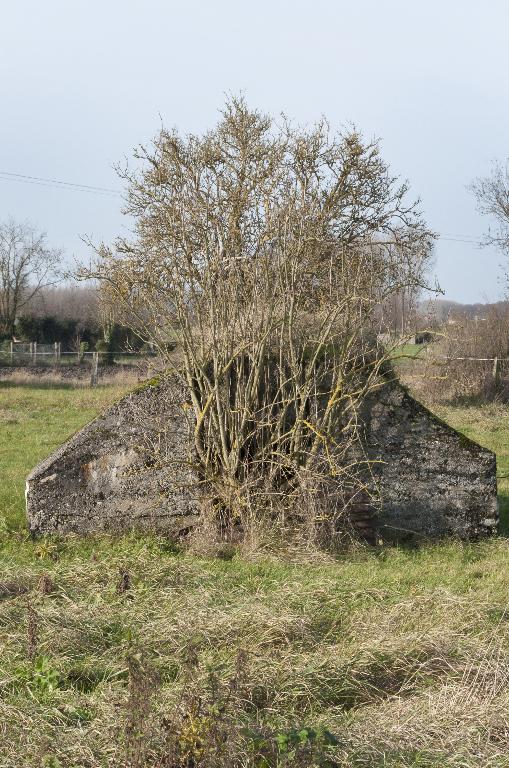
{"x":83,"y":82}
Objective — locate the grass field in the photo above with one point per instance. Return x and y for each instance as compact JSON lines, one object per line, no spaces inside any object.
{"x":128,"y":652}
{"x":409,"y":351}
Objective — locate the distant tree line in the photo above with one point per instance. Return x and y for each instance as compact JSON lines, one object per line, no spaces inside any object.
{"x":36,"y":305}
{"x":71,"y":315}
{"x":49,"y":329}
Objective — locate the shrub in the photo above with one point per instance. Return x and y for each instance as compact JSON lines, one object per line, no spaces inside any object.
{"x":265,"y":252}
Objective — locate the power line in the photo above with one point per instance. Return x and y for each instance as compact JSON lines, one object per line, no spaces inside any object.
{"x":459,"y":240}
{"x":57,"y":184}
{"x":455,"y":234}
{"x":108,"y":191}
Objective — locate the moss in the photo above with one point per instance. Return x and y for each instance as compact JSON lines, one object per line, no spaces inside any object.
{"x":155,"y":381}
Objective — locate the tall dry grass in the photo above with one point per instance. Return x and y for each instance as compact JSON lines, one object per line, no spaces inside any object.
{"x":377,"y":659}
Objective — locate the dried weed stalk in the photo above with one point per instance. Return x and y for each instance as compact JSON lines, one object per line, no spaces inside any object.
{"x":32,"y":637}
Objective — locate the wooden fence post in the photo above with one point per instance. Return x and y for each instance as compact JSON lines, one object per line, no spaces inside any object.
{"x":12,"y":352}
{"x":496,"y":372}
{"x":95,"y":362}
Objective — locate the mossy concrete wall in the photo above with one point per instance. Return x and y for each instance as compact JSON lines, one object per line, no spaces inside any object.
{"x":130,"y":469}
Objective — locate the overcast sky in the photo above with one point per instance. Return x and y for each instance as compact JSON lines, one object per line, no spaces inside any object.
{"x":84,"y":81}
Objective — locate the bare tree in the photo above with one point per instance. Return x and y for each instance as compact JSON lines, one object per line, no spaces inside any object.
{"x":27,"y":264}
{"x":492,"y":194}
{"x":263,"y":250}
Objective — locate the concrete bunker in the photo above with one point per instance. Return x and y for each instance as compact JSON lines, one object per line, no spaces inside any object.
{"x":432,"y":480}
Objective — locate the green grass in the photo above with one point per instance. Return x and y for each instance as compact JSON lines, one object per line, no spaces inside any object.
{"x":409,"y":350}
{"x":402,"y":654}
{"x":405,"y":355}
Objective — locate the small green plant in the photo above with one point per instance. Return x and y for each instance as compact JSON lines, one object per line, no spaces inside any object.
{"x":50,"y":761}
{"x":76,"y":716}
{"x":45,"y":679}
{"x":40,"y":677}
{"x":46,"y":549}
{"x":306,"y":747}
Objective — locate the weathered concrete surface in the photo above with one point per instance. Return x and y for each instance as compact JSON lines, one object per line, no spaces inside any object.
{"x":129,"y":469}
{"x":432,"y":481}
{"x":113,"y":474}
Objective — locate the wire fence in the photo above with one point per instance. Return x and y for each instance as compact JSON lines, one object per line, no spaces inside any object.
{"x":21,"y":352}
{"x":35,"y":354}
{"x":436,"y":375}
